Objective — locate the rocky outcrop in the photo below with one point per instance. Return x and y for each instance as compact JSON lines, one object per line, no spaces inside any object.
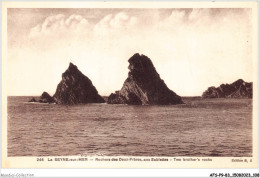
{"x":238,"y":89}
{"x":32,"y":100}
{"x":46,"y":98}
{"x":76,"y":88}
{"x":143,"y":86}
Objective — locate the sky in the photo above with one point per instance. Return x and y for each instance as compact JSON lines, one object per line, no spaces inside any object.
{"x":191,"y":49}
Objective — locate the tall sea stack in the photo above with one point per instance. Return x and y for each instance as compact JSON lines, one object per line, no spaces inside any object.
{"x":238,"y":89}
{"x":143,"y":86}
{"x":76,"y":88}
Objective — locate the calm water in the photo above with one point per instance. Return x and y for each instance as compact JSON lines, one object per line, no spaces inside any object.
{"x":208,"y":127}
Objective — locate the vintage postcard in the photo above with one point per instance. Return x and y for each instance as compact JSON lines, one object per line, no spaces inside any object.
{"x":129,"y":85}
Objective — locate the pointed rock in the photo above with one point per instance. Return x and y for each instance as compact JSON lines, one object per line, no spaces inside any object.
{"x":143,"y":86}
{"x":76,"y":88}
{"x":238,"y":89}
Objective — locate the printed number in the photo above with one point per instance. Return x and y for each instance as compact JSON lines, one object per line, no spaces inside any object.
{"x":40,"y":159}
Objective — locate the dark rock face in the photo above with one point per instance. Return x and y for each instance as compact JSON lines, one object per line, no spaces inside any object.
{"x":76,"y":88}
{"x":143,"y":86}
{"x":46,"y":98}
{"x":238,"y":89}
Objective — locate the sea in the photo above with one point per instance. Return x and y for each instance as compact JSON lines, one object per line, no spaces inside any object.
{"x":200,"y":127}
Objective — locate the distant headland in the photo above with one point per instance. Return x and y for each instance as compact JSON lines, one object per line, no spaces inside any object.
{"x":238,"y":89}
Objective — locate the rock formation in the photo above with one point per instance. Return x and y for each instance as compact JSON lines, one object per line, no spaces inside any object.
{"x":76,"y":88}
{"x":143,"y":86}
{"x":46,"y":98}
{"x":238,"y":89}
{"x":32,"y":100}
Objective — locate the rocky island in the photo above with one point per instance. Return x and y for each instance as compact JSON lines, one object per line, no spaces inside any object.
{"x":44,"y":98}
{"x":238,"y":89}
{"x":74,"y":88}
{"x":143,"y":86}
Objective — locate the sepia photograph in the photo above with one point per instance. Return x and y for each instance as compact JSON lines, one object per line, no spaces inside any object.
{"x":137,"y":83}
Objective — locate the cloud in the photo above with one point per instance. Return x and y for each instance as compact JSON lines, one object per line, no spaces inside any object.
{"x":114,"y":22}
{"x":122,"y":20}
{"x":59,"y":25}
{"x":175,"y":18}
